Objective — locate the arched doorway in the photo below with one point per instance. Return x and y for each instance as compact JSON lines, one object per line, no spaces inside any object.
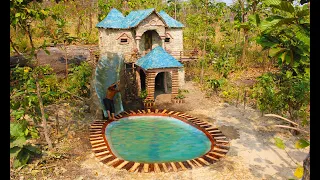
{"x":142,"y":80}
{"x":150,"y":39}
{"x":163,"y":84}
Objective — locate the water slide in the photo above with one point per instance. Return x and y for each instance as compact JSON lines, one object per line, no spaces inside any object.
{"x":108,"y":72}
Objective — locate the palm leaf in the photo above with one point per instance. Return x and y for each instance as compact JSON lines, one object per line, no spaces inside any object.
{"x":272,"y":2}
{"x":276,"y":51}
{"x":303,"y":36}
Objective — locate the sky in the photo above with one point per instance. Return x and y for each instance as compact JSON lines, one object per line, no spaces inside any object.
{"x":228,"y":2}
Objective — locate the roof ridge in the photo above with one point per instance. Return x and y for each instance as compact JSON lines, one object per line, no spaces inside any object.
{"x":115,"y":19}
{"x":158,"y":58}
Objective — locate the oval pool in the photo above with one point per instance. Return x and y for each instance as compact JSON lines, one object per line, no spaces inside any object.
{"x":155,"y":139}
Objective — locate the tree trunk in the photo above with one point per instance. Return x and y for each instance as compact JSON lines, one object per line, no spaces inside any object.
{"x":66,"y":58}
{"x":14,"y":47}
{"x":202,"y":72}
{"x":306,"y":168}
{"x":90,"y":23}
{"x":243,"y":15}
{"x":245,"y":46}
{"x":43,"y":118}
{"x":204,"y":44}
{"x":175,"y":9}
{"x":30,"y":36}
{"x":78,"y":26}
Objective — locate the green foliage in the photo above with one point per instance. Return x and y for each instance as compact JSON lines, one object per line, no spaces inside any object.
{"x":282,"y":94}
{"x":179,"y":96}
{"x":60,"y":35}
{"x":103,"y":9}
{"x":23,"y":94}
{"x":225,"y":64}
{"x":286,"y":36}
{"x":24,"y":103}
{"x":302,"y":143}
{"x":22,"y":11}
{"x":22,"y":14}
{"x":20,"y":149}
{"x":143,"y":94}
{"x":265,"y":92}
{"x":215,"y":84}
{"x":279,"y":143}
{"x":79,"y":79}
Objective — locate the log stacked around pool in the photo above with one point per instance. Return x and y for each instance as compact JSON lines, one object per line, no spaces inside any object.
{"x":102,"y":150}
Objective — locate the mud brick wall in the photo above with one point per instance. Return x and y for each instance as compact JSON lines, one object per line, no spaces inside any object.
{"x":150,"y":84}
{"x":175,"y":83}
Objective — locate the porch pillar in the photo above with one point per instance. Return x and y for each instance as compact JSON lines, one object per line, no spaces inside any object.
{"x":150,"y":84}
{"x":138,"y":38}
{"x":138,"y":81}
{"x":175,"y":83}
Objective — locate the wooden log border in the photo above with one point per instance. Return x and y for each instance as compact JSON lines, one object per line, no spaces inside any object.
{"x":219,"y":144}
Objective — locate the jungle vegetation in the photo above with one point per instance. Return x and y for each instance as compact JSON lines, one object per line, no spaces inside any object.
{"x":271,"y":35}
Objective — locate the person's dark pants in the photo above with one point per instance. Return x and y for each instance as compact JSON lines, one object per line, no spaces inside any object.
{"x":109,"y":105}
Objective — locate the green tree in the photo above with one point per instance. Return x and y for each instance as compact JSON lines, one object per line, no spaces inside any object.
{"x":286,"y":35}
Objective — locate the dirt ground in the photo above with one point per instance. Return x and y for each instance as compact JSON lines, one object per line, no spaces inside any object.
{"x":252,"y":154}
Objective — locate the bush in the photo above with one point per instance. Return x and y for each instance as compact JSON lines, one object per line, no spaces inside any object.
{"x":24,"y":101}
{"x":280,"y":94}
{"x":20,"y":149}
{"x":79,"y":79}
{"x":215,"y":84}
{"x":224,"y":64}
{"x":143,"y":94}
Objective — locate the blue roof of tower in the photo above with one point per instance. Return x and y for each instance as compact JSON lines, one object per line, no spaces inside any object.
{"x":158,"y":58}
{"x":116,"y":20}
{"x":171,"y":22}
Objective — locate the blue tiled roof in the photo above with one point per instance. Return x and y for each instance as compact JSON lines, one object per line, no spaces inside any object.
{"x":158,"y":58}
{"x":170,"y":21}
{"x":135,"y":17}
{"x":116,"y":20}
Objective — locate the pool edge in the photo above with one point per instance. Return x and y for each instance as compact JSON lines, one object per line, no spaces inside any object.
{"x":219,"y":144}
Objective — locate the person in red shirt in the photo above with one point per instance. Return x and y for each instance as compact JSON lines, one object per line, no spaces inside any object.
{"x":108,"y":100}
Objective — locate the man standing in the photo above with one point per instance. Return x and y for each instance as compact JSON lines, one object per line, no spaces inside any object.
{"x":108,"y":100}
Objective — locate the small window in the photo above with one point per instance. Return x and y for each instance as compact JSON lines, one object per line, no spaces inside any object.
{"x":167,"y":40}
{"x":123,"y":40}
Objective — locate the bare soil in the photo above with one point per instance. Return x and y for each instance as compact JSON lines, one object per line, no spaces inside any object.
{"x":252,"y":154}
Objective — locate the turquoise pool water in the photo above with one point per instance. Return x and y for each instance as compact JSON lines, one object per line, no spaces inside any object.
{"x":156,"y":139}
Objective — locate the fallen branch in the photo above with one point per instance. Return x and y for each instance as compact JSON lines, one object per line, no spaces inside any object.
{"x":277,"y":116}
{"x":71,"y":94}
{"x":45,"y":167}
{"x":282,"y":126}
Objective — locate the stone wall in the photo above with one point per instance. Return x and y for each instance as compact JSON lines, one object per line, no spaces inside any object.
{"x":109,"y":41}
{"x":176,"y":42}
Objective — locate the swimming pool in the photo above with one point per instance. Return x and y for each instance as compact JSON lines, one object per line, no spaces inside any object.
{"x":157,"y":141}
{"x":151,"y":139}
